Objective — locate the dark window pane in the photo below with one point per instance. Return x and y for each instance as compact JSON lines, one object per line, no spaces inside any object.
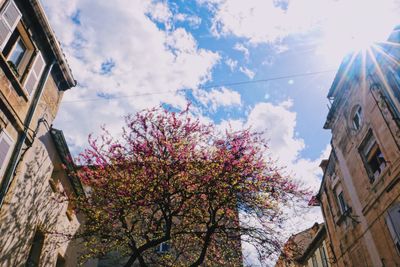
{"x":60,"y":261}
{"x":342,"y":202}
{"x":323,"y":256}
{"x":18,"y":53}
{"x":36,"y":250}
{"x":373,"y":157}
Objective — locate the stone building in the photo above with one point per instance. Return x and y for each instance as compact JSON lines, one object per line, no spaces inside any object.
{"x":306,"y":248}
{"x":33,"y":184}
{"x":360,"y":190}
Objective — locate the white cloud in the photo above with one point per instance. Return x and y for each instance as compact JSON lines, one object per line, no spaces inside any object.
{"x":159,"y":11}
{"x":193,"y":20}
{"x":232,"y":64}
{"x":278,"y":124}
{"x":241,"y":48}
{"x":249,"y":73}
{"x":216,"y":98}
{"x":260,"y":20}
{"x":145,"y":60}
{"x":271,"y":21}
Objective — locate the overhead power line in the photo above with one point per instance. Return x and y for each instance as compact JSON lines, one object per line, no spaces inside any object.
{"x":222,"y":84}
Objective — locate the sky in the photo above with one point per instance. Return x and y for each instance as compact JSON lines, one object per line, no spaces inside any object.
{"x":264,"y":64}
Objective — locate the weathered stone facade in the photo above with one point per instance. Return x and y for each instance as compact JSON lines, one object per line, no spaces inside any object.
{"x":34,"y":186}
{"x":359,"y":194}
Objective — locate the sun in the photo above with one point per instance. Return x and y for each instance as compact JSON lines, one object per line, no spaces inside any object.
{"x":355,"y":25}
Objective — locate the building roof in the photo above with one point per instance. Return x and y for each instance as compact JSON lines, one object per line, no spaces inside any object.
{"x":300,"y":245}
{"x":66,"y":159}
{"x":314,"y":244}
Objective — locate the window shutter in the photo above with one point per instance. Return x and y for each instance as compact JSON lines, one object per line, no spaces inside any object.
{"x":394,"y":215}
{"x":9,"y":19}
{"x":393,"y":223}
{"x":5,"y":145}
{"x":34,"y":74}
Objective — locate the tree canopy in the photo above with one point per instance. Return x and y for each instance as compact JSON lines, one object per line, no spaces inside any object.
{"x":172,"y":182}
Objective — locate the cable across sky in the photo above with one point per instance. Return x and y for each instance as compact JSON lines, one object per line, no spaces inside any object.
{"x":216,"y":85}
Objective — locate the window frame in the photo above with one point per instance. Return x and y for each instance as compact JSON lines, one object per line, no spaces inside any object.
{"x":370,"y":150}
{"x":25,"y":73}
{"x":21,"y":70}
{"x":343,"y":206}
{"x":20,"y":58}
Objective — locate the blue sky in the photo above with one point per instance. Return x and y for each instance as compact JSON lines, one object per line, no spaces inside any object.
{"x":130,"y":54}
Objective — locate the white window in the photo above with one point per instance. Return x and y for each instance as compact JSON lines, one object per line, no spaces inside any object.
{"x":9,"y":18}
{"x":17,"y":46}
{"x":393,"y":223}
{"x":5,"y":150}
{"x":35,"y":74}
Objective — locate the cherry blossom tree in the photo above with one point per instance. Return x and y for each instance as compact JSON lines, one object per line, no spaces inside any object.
{"x":172,"y":182}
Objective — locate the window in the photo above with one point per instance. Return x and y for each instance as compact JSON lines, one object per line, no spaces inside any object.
{"x":163,"y":248}
{"x":372,"y":156}
{"x":393,"y":222}
{"x":314,"y":261}
{"x":34,"y":75}
{"x":17,"y":46}
{"x":324,"y":259}
{"x":5,"y":150}
{"x":357,"y":118}
{"x":18,"y":53}
{"x":36,"y":250}
{"x":342,"y":203}
{"x":9,"y":18}
{"x":60,"y":261}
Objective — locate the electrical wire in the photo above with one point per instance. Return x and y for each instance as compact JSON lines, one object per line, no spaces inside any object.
{"x":222,"y":84}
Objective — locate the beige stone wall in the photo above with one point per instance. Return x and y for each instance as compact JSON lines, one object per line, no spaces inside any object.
{"x":362,"y":238}
{"x":31,"y":202}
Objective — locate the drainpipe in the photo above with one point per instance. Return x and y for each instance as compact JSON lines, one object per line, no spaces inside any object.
{"x":17,"y":152}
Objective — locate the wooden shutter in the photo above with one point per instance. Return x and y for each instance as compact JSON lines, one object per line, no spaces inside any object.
{"x":34,"y":74}
{"x":393,"y":223}
{"x":9,"y":19}
{"x":5,"y":145}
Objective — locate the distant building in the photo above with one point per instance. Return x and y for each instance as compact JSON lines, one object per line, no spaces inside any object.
{"x":360,"y":190}
{"x":307,"y":248}
{"x":33,"y":183}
